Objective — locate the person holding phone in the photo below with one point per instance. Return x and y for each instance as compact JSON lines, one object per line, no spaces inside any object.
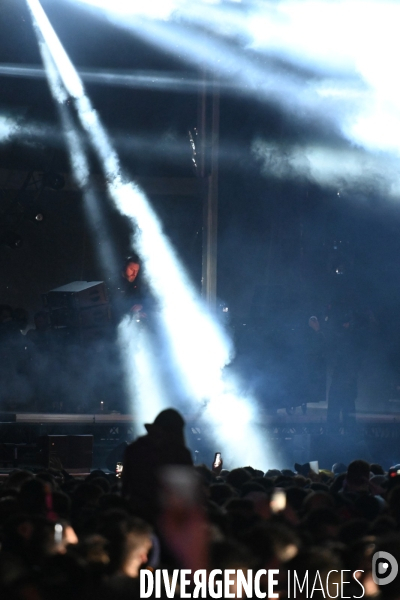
{"x":218,"y":463}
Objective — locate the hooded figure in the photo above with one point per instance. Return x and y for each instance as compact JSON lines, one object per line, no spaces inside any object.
{"x":163,"y":445}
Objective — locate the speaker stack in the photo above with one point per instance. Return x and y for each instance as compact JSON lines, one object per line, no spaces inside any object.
{"x":79,"y":311}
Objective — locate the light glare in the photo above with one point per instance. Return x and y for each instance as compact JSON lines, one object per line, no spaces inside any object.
{"x":141,"y":374}
{"x":200,"y":348}
{"x":350,"y":40}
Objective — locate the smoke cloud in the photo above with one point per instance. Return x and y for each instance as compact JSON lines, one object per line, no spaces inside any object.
{"x":8,"y":128}
{"x":341,"y":168}
{"x":340,"y":55}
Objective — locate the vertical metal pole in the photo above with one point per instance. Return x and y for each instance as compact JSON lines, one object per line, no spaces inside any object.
{"x":210,"y":204}
{"x":202,"y":125}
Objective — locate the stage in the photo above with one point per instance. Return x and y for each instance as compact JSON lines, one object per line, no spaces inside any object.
{"x":293,"y":437}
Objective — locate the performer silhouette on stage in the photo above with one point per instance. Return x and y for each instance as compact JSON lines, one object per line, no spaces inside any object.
{"x":133,"y":296}
{"x":132,"y":286}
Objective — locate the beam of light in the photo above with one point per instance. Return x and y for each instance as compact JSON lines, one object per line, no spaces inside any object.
{"x":185,"y":82}
{"x":141,"y":372}
{"x":221,"y":57}
{"x":156,"y":146}
{"x":356,"y":40}
{"x":341,"y":39}
{"x":343,"y":168}
{"x":234,"y":419}
{"x":154,"y":80}
{"x":80,"y":169}
{"x":308,"y":94}
{"x":156,"y":9}
{"x":374,"y":123}
{"x":17,"y":129}
{"x":200,"y":348}
{"x":330,"y":35}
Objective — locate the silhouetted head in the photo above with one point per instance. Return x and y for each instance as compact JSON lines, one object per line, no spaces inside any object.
{"x":168,"y":421}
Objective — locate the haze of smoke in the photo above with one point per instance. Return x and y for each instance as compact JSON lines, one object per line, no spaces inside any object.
{"x":328,"y":39}
{"x":8,"y":128}
{"x":338,"y":168}
{"x":31,"y":376}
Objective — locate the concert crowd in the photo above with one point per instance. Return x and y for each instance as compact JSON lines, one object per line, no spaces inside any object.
{"x":89,"y":537}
